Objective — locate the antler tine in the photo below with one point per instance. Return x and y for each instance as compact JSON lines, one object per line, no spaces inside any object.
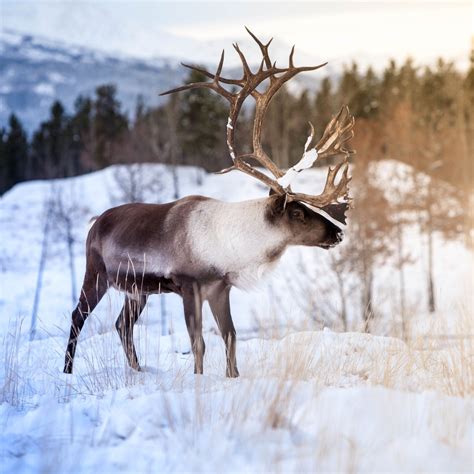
{"x":263,"y":48}
{"x":208,"y":85}
{"x":247,"y":71}
{"x":214,"y":85}
{"x":219,"y":67}
{"x":290,"y":60}
{"x":235,"y":82}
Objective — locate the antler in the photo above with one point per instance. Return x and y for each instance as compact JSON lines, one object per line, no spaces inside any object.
{"x":337,"y":133}
{"x":332,"y":142}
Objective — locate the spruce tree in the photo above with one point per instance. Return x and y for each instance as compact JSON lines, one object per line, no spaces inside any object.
{"x":324,"y":106}
{"x":81,"y":135}
{"x":201,"y":126}
{"x":108,"y":126}
{"x":14,"y":154}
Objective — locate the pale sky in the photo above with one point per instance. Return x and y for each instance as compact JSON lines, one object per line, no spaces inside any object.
{"x":334,"y":30}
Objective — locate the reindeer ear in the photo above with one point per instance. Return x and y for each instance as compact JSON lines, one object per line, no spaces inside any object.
{"x":276,"y":206}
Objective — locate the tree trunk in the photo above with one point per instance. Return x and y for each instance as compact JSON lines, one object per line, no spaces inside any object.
{"x":431,"y":295}
{"x":41,"y":267}
{"x":72,"y":268}
{"x":401,"y":277}
{"x":342,"y":292}
{"x":164,"y":315}
{"x":174,"y":146}
{"x":368,"y":304}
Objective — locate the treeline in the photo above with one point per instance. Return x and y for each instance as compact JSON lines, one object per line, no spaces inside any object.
{"x":422,"y":116}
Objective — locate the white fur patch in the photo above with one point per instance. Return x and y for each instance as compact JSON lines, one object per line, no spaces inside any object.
{"x":319,"y":211}
{"x":234,"y":238}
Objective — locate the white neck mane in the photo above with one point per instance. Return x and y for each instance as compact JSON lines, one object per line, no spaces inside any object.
{"x":235,"y":237}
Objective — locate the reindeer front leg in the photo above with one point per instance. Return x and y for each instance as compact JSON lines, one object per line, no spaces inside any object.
{"x":192,"y":302}
{"x":220,"y":306}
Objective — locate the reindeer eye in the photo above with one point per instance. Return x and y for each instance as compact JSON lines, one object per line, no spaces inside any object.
{"x":297,"y":214}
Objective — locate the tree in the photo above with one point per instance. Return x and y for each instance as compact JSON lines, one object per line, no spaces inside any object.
{"x":436,"y":110}
{"x":366,"y":100}
{"x":370,"y":234}
{"x":277,"y":128}
{"x":82,"y":144}
{"x":51,"y":145}
{"x":324,"y":106}
{"x":14,"y":154}
{"x":64,"y":213}
{"x":201,"y":126}
{"x":349,"y":88}
{"x":109,"y":123}
{"x":58,"y":145}
{"x":4,"y":172}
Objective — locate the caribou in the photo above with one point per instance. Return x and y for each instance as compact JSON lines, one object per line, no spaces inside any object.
{"x":198,"y":247}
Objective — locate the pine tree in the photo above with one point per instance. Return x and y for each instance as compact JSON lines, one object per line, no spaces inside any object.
{"x":3,"y":160}
{"x":108,"y":125}
{"x":299,"y":116}
{"x":324,"y":106}
{"x":349,"y":88}
{"x":14,"y":156}
{"x":51,"y":145}
{"x":366,"y":99}
{"x":201,"y":126}
{"x":81,"y":135}
{"x":278,"y":127}
{"x":58,"y":140}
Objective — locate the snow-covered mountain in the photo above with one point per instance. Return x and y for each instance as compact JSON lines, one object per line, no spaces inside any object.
{"x":35,"y":71}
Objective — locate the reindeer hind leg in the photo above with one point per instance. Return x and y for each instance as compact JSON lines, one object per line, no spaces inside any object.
{"x":93,"y":289}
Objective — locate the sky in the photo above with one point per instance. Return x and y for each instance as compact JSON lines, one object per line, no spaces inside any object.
{"x":332,"y":30}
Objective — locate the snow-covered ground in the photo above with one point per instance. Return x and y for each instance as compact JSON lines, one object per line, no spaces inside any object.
{"x":308,"y":399}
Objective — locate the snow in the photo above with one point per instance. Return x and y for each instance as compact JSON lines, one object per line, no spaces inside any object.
{"x":308,"y":399}
{"x":308,"y":159}
{"x":44,"y":88}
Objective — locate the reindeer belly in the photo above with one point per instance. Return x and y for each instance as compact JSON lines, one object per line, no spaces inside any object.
{"x":127,"y":268}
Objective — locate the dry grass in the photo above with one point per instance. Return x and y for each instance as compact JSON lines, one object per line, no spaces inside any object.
{"x":279,"y":377}
{"x":11,"y":384}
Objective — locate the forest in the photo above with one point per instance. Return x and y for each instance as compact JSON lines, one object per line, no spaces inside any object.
{"x":423,"y":116}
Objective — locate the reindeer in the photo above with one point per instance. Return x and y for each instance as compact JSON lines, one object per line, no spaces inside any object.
{"x":198,"y":247}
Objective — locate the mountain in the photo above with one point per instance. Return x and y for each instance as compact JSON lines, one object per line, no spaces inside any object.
{"x":36,"y":71}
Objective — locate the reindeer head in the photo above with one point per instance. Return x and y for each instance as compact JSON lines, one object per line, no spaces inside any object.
{"x":302,"y":225}
{"x":310,"y":219}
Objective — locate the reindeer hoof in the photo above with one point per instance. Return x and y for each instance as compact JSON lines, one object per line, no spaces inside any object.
{"x":68,"y":367}
{"x":232,"y":373}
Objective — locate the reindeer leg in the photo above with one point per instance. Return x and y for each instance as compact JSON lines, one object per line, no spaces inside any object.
{"x":131,"y":311}
{"x":192,"y":302}
{"x":93,"y":289}
{"x":220,"y":307}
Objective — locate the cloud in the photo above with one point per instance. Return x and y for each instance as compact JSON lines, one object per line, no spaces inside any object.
{"x":198,"y":30}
